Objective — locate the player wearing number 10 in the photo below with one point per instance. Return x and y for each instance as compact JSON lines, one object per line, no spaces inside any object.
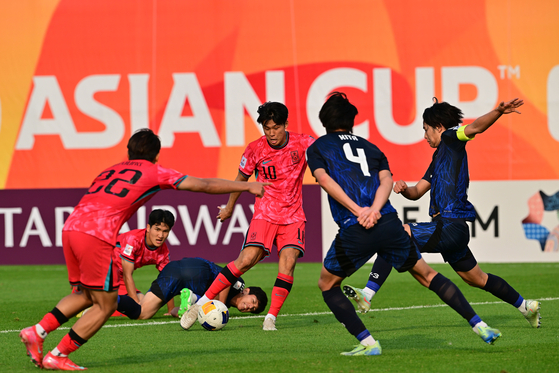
{"x":278,"y":157}
{"x":89,"y":236}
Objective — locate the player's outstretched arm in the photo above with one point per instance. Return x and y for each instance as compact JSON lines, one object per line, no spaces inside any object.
{"x":412,"y":192}
{"x":221,"y":186}
{"x":226,"y":212}
{"x":335,"y":191}
{"x":485,"y":121}
{"x":127,"y":271}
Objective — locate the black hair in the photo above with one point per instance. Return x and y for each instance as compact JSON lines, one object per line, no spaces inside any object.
{"x":144,"y":144}
{"x":442,"y":113}
{"x":275,"y":111}
{"x":159,"y":216}
{"x":261,"y":296}
{"x":337,"y":113}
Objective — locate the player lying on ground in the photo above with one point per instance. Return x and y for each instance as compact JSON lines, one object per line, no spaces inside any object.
{"x":447,"y":178}
{"x":89,"y":237}
{"x":278,"y":157}
{"x":357,"y":178}
{"x":190,"y":277}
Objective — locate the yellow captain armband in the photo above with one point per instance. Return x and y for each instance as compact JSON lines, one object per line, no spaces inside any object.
{"x":461,"y":135}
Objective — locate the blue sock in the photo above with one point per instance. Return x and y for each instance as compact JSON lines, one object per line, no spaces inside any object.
{"x":474,"y":320}
{"x":519,"y":301}
{"x":373,"y":286}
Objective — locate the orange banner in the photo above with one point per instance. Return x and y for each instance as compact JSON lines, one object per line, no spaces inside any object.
{"x":78,"y":77}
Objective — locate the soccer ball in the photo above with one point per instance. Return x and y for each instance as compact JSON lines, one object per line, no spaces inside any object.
{"x":213,"y":315}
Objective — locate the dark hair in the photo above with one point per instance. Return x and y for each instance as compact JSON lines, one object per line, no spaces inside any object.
{"x":261,"y":296}
{"x":442,"y":113}
{"x":159,"y":216}
{"x":144,"y":144}
{"x":337,"y":113}
{"x":275,"y":111}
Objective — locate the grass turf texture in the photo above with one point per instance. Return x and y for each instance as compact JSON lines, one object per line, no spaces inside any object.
{"x":414,"y":339}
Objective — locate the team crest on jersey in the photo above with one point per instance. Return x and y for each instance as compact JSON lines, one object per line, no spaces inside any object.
{"x":243,"y":162}
{"x":295,"y":156}
{"x":128,"y":249}
{"x":253,"y":236}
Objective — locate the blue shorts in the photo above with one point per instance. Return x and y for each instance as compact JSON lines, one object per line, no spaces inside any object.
{"x":355,"y":245}
{"x":449,"y":237}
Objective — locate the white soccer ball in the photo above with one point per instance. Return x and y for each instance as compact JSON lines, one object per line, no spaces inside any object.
{"x":213,"y":315}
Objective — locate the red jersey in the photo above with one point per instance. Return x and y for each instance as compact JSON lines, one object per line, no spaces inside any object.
{"x":285,"y":168}
{"x":116,"y":194}
{"x":131,"y":246}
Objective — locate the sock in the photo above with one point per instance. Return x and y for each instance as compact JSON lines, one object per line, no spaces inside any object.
{"x":379,"y":273}
{"x":70,"y":343}
{"x":203,"y":299}
{"x":345,"y":313}
{"x":368,"y":341}
{"x":281,"y":290}
{"x":226,"y":277}
{"x":128,"y":307}
{"x":451,"y":295}
{"x":51,"y":321}
{"x":502,"y":290}
{"x":522,"y":307}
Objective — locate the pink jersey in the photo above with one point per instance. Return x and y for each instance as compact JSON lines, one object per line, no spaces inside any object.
{"x":131,"y":246}
{"x":284,"y":167}
{"x":116,"y":194}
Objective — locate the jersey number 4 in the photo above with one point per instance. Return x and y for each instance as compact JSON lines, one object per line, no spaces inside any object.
{"x":360,"y":158}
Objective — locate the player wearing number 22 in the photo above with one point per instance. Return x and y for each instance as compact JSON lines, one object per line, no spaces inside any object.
{"x":89,"y":237}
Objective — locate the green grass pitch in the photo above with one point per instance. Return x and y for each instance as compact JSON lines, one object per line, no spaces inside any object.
{"x":418,"y":333}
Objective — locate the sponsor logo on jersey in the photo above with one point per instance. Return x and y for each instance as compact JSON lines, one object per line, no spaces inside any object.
{"x":266,"y":162}
{"x":128,"y":249}
{"x":243,"y":162}
{"x":295,"y":156}
{"x":253,"y":236}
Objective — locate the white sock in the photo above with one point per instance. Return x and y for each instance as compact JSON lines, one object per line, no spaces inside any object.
{"x":202,"y":300}
{"x":369,"y":294}
{"x":56,"y":352}
{"x":369,"y":341}
{"x":41,"y":331}
{"x":481,"y":323}
{"x":522,"y":307}
{"x":270,"y":316}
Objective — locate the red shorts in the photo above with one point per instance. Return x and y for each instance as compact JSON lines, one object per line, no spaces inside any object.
{"x":122,"y":289}
{"x":264,"y":234}
{"x":89,"y":261}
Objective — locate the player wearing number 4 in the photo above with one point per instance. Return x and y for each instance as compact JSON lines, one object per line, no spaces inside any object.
{"x":447,"y":178}
{"x":89,"y":236}
{"x":278,"y":157}
{"x":356,"y":176}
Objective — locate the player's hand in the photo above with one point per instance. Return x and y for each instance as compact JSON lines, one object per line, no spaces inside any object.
{"x":510,"y":107}
{"x":400,"y":186}
{"x":224,"y":213}
{"x":368,"y":217}
{"x":257,"y":188}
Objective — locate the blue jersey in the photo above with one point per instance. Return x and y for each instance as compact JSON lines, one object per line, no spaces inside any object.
{"x":449,"y":178}
{"x":354,"y":163}
{"x":196,"y":274}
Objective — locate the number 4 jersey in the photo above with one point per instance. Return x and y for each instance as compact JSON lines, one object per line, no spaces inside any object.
{"x":354,"y":163}
{"x":284,"y":167}
{"x":116,"y":194}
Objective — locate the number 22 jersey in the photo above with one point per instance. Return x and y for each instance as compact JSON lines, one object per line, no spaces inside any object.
{"x":116,"y":194}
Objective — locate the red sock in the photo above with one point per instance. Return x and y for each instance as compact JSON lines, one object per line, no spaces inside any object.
{"x":70,"y":343}
{"x":228,"y":276}
{"x":49,"y":323}
{"x":280,"y":292}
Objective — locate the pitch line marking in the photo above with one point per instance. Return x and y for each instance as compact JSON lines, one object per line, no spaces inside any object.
{"x":288,"y":315}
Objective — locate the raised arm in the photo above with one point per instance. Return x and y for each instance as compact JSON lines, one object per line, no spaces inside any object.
{"x":226,"y":212}
{"x":414,"y":192}
{"x":221,"y":186}
{"x":485,"y":121}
